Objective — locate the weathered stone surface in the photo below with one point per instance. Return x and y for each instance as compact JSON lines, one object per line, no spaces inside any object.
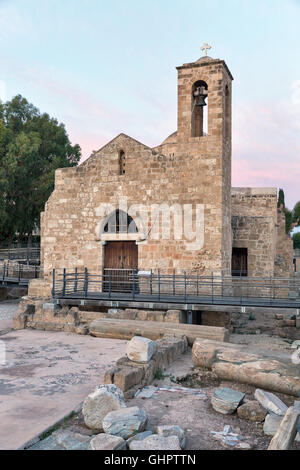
{"x":50,"y":443}
{"x":173,"y":316}
{"x":139,"y":437}
{"x":270,"y":402}
{"x":140,"y":349}
{"x":107,"y":442}
{"x":71,"y":440}
{"x":126,"y":329}
{"x":234,"y":364}
{"x":127,"y":377}
{"x":97,"y":405}
{"x":174,"y":430}
{"x":225,"y":400}
{"x":156,"y":442}
{"x":63,"y":439}
{"x":287,"y":431}
{"x":125,"y":422}
{"x":271,"y":424}
{"x":252,"y":411}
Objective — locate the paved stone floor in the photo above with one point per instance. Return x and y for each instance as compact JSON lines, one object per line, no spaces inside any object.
{"x":46,"y":376}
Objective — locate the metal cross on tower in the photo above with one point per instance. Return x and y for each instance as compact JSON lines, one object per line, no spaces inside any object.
{"x":205,"y":47}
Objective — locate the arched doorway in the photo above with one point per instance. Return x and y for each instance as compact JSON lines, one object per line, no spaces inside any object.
{"x":120,"y":256}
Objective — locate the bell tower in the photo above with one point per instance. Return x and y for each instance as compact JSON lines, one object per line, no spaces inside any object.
{"x":204,"y":88}
{"x":204,"y":134}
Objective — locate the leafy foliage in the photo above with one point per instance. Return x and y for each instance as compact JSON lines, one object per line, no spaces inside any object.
{"x":32,"y":147}
{"x":292,"y":217}
{"x":296,"y":240}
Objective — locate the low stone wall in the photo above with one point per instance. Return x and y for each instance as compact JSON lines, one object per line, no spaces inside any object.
{"x":129,"y":376}
{"x":279,"y":324}
{"x":47,"y":316}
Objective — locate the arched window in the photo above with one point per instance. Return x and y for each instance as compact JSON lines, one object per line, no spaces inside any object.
{"x":122,"y":162}
{"x":199,"y":109}
{"x":120,"y":222}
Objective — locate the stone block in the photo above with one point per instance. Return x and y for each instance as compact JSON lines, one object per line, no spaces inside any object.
{"x":173,"y":316}
{"x":169,"y":430}
{"x":155,"y":442}
{"x":140,"y":349}
{"x":107,"y":442}
{"x":125,"y":422}
{"x":270,"y":402}
{"x":97,"y":405}
{"x":226,"y":400}
{"x":252,"y":411}
{"x":127,"y":377}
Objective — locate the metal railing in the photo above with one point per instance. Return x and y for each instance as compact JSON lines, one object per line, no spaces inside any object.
{"x":18,"y":273}
{"x":187,"y":288}
{"x":24,"y":254}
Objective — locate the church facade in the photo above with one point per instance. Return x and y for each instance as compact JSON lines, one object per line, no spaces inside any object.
{"x":172,"y":207}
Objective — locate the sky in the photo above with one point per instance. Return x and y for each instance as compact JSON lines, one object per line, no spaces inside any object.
{"x":108,"y":66}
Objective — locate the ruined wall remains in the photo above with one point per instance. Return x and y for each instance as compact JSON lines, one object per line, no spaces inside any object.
{"x":259,"y":226}
{"x":254,"y":219}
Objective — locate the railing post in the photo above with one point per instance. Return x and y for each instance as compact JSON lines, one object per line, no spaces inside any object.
{"x":241,"y":289}
{"x":35,"y":271}
{"x":151,"y":282}
{"x":271,"y":290}
{"x":174,"y":289}
{"x":109,"y":284}
{"x":86,"y":282}
{"x":197,"y":285}
{"x":212,"y":288}
{"x":185,"y":286}
{"x":53,"y":283}
{"x":133,"y":285}
{"x":76,"y":281}
{"x":19,"y":275}
{"x":158,"y":278}
{"x":64,"y":282}
{"x":3,"y":270}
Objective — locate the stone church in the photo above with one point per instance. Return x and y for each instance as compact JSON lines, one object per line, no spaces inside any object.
{"x":242,"y":232}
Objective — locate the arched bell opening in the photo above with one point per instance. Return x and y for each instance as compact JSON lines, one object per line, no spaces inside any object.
{"x":199,"y":124}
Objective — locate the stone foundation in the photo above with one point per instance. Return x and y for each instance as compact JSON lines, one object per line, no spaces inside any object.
{"x":129,"y":376}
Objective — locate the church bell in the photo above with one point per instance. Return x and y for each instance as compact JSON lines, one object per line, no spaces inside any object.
{"x":200,"y":94}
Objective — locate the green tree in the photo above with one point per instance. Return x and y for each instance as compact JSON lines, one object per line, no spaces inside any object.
{"x":32,"y":147}
{"x":296,"y":214}
{"x":296,"y":240}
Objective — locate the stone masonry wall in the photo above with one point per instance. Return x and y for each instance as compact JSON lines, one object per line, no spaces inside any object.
{"x":254,"y":220}
{"x":284,"y":249}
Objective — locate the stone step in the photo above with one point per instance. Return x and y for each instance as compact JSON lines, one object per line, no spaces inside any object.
{"x":126,"y":329}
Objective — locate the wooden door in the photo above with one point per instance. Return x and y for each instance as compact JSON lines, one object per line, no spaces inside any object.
{"x":120,"y":263}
